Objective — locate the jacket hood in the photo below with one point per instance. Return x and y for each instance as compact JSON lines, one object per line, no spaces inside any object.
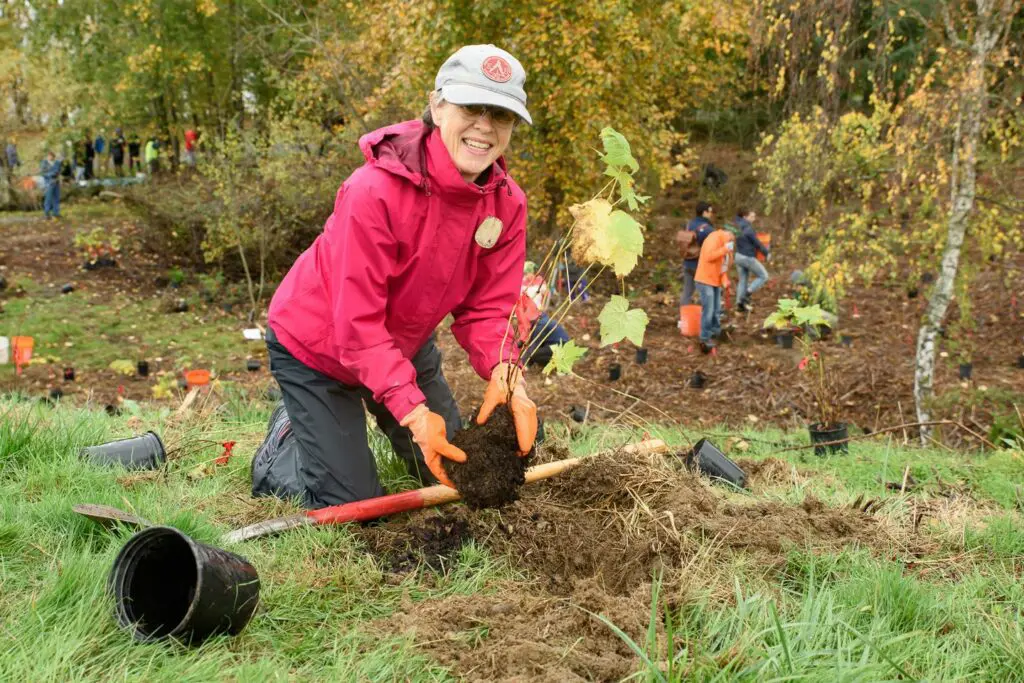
{"x":413,"y":151}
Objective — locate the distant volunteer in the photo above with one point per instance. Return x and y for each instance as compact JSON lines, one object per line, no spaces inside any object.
{"x":432,"y":224}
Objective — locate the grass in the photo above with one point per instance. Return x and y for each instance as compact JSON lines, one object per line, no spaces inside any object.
{"x":849,"y":615}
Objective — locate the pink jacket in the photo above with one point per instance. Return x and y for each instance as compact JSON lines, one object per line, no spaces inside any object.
{"x":397,"y":255}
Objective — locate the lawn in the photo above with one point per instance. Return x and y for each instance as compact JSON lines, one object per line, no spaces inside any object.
{"x":925,"y":585}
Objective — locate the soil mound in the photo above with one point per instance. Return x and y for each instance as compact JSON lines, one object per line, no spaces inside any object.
{"x":493,"y":472}
{"x":433,"y":540}
{"x":619,"y":519}
{"x":514,"y":636}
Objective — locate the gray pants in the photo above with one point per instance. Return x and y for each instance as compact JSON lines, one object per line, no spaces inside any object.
{"x":689,"y":286}
{"x":324,"y":458}
{"x":747,"y":266}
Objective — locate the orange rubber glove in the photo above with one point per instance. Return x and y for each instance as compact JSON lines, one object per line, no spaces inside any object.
{"x":429,"y":433}
{"x":524,"y":410}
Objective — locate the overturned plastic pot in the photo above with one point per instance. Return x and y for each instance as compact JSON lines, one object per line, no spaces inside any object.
{"x":784,"y":339}
{"x":166,"y":585}
{"x":707,"y":459}
{"x":144,"y":452}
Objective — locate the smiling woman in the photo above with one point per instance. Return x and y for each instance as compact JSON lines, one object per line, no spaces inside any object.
{"x":431,"y":224}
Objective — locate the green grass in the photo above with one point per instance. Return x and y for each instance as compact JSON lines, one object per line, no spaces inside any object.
{"x":848,"y":615}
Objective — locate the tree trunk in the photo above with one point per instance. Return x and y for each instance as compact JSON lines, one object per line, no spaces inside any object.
{"x":963,"y":176}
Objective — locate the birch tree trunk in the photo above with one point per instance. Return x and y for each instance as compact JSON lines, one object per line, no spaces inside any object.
{"x":992,"y":19}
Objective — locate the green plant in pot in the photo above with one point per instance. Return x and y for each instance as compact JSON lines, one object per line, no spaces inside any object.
{"x":790,"y":316}
{"x":820,"y":386}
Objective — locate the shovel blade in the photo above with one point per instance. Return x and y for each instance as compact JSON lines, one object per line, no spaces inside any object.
{"x":110,"y":517}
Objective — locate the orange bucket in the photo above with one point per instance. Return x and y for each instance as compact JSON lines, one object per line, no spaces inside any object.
{"x":22,"y":351}
{"x":197,"y":378}
{"x":766,"y":240}
{"x":689,"y":320}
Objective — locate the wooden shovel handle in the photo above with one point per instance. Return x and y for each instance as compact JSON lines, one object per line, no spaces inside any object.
{"x":373,"y":508}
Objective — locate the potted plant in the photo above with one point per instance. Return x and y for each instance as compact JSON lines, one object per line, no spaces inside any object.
{"x":790,"y":316}
{"x":99,"y":246}
{"x":820,"y":384}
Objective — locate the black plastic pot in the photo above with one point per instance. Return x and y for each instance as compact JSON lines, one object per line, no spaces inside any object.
{"x":180,"y":306}
{"x":614,"y":372}
{"x":965,"y":370}
{"x":144,"y":452}
{"x":641,"y":356}
{"x":825,"y":436}
{"x":1020,"y":361}
{"x":784,"y":339}
{"x":707,"y":459}
{"x":113,"y":410}
{"x":912,"y":293}
{"x":69,"y":374}
{"x":143,"y":368}
{"x":698,"y":380}
{"x":166,"y":585}
{"x":252,"y":365}
{"x":67,"y":289}
{"x":577,"y":413}
{"x":927,"y":278}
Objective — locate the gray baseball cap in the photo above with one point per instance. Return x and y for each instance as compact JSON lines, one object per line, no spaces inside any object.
{"x":484,"y":74}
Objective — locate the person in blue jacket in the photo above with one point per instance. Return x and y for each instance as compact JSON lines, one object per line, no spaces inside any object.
{"x":50,"y":170}
{"x":700,"y":224}
{"x":752,"y":273}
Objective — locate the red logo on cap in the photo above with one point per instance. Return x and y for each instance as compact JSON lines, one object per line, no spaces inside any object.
{"x":497,"y":69}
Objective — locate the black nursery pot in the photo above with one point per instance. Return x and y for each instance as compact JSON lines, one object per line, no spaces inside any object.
{"x":698,"y":380}
{"x":143,"y":368}
{"x":641,"y":356}
{"x":1020,"y":361}
{"x":707,"y":459}
{"x":846,"y":340}
{"x":784,"y":339}
{"x":965,"y":370}
{"x":614,"y":372}
{"x":166,"y":585}
{"x":144,"y":452}
{"x":69,"y":374}
{"x":577,"y":413}
{"x":252,"y":365}
{"x":67,"y":289}
{"x":825,"y":436}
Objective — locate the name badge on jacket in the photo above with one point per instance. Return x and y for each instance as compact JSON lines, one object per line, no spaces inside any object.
{"x":489,"y":231}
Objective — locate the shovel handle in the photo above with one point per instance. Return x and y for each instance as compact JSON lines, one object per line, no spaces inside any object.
{"x":382,"y":506}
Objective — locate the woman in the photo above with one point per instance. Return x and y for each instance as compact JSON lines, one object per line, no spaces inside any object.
{"x":431,"y":224}
{"x":747,"y":247}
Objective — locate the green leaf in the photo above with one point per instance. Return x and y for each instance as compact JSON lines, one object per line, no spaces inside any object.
{"x":616,"y":150}
{"x":618,"y":322}
{"x":626,"y":240}
{"x":124,"y":367}
{"x":626,"y":191}
{"x":563,"y":357}
{"x":811,"y":315}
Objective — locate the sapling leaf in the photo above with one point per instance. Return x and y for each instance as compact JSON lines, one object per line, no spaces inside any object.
{"x":618,"y":322}
{"x":626,"y":241}
{"x":590,"y":243}
{"x":616,"y":150}
{"x":563,"y":357}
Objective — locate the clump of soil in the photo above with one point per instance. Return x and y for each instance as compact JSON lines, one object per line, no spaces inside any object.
{"x":434,"y":541}
{"x":493,"y":472}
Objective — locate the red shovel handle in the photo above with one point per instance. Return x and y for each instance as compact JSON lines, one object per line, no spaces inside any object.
{"x":373,"y":508}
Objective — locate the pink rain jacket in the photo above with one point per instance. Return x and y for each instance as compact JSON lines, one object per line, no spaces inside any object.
{"x":397,"y":255}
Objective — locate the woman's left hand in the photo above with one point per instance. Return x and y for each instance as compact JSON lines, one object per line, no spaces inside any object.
{"x":524,"y":410}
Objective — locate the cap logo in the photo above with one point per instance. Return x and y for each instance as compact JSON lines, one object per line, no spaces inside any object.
{"x":497,"y":69}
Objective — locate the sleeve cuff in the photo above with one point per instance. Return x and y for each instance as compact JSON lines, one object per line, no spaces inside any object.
{"x":401,"y":401}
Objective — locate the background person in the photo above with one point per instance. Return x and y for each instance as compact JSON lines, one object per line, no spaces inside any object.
{"x":431,"y":224}
{"x":710,"y":280}
{"x":50,"y":170}
{"x":747,"y":265}
{"x":701,"y":226}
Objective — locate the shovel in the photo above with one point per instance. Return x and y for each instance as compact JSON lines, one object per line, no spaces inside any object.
{"x":110,"y":517}
{"x":373,"y":508}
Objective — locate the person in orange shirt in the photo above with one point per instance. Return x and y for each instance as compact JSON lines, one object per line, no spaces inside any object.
{"x":715,"y":257}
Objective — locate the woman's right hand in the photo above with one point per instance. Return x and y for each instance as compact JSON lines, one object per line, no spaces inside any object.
{"x":431,"y":435}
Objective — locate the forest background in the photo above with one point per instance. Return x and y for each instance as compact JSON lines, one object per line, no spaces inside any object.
{"x":889,"y":135}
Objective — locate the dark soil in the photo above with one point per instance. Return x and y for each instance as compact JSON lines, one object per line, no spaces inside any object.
{"x":434,"y":541}
{"x":591,"y":540}
{"x":493,"y":472}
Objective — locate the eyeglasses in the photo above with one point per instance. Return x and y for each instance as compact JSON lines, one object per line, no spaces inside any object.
{"x":499,"y":116}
